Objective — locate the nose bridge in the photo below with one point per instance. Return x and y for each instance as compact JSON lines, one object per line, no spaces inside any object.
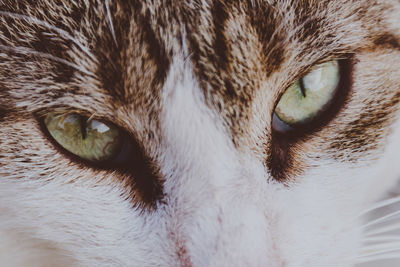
{"x":216,"y":216}
{"x":218,"y":228}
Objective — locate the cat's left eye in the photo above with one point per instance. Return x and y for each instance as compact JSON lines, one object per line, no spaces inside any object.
{"x":307,"y":98}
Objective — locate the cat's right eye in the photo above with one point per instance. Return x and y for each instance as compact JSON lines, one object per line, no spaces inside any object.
{"x":89,"y":139}
{"x":102,"y":145}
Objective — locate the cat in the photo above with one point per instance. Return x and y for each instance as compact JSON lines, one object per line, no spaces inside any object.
{"x":199,"y":133}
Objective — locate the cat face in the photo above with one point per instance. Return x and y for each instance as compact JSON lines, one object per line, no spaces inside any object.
{"x":214,"y":166}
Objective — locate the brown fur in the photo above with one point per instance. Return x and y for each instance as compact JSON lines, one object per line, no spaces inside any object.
{"x":241,"y":67}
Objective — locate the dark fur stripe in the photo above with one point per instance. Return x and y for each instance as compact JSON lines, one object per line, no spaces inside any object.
{"x":387,"y":40}
{"x":221,"y":49}
{"x":155,"y":49}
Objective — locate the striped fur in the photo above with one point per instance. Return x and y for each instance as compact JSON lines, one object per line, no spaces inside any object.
{"x":195,"y":84}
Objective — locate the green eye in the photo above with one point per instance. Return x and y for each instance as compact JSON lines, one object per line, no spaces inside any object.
{"x":91,"y":140}
{"x":308,"y":97}
{"x":102,"y":145}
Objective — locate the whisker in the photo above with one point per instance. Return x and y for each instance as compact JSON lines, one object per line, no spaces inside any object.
{"x":187,"y":58}
{"x":110,"y":22}
{"x":45,"y":24}
{"x":381,"y":248}
{"x":382,"y":230}
{"x":381,"y":219}
{"x":91,"y":117}
{"x":31,"y":52}
{"x":383,"y":255}
{"x":383,"y":238}
{"x":381,"y":204}
{"x":386,"y":256}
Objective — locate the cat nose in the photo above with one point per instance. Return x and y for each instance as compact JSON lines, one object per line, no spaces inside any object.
{"x":230,"y":232}
{"x":236,"y":240}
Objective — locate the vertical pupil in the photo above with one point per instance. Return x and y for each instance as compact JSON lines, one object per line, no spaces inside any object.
{"x":302,"y":88}
{"x":82,"y":125}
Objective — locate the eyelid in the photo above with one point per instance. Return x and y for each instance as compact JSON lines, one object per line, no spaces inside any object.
{"x":300,"y":74}
{"x":41,"y":113}
{"x":340,"y":58}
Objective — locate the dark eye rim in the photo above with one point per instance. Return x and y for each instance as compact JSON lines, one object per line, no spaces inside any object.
{"x":281,"y":160}
{"x":293,"y":133}
{"x":140,"y":172}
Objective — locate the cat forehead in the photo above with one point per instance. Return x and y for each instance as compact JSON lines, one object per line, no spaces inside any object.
{"x":130,"y":45}
{"x":112,"y":53}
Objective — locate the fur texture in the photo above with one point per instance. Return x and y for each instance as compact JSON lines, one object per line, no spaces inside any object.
{"x":195,"y":84}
